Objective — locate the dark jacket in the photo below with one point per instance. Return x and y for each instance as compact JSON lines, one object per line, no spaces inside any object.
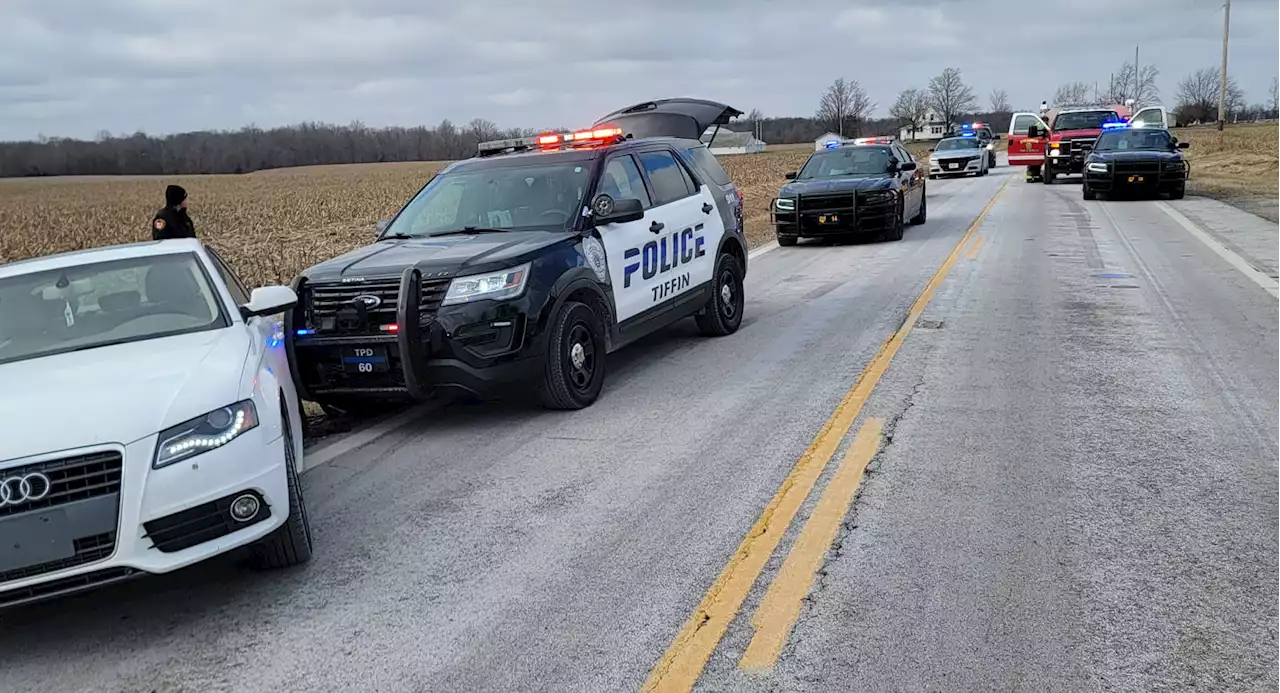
{"x":170,"y":222}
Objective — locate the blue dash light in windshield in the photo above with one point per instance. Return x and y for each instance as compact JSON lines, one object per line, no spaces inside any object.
{"x":305,"y":332}
{"x":1113,"y":126}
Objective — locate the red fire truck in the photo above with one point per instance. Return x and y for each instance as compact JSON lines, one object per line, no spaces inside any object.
{"x":1057,"y":143}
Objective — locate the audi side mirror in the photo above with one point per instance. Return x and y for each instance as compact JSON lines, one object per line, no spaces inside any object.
{"x":606,"y":210}
{"x":268,"y":300}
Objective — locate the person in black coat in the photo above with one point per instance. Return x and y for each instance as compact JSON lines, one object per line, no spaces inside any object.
{"x":172,"y":220}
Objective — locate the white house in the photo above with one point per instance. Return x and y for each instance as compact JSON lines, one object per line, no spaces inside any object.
{"x":932,"y":129}
{"x":731,"y":142}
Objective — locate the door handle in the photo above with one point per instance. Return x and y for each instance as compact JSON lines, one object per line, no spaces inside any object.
{"x":706,"y":208}
{"x":657,"y":226}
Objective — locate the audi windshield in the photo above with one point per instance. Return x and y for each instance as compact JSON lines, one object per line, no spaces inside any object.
{"x":520,"y":195}
{"x":847,"y":161}
{"x":104,"y":303}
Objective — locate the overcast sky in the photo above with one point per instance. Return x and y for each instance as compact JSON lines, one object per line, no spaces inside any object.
{"x":76,"y":68}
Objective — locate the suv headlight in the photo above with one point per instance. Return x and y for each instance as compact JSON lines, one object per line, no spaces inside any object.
{"x":1176,"y":166}
{"x":878,"y":196}
{"x":784,"y":204}
{"x":508,"y":283}
{"x":1097,"y":167}
{"x":203,"y":433}
{"x":991,"y":145}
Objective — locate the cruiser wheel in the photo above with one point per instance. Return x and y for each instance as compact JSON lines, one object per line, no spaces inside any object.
{"x":574,"y":371}
{"x":723,"y":313}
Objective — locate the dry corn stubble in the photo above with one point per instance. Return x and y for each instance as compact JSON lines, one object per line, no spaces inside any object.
{"x":271,"y":225}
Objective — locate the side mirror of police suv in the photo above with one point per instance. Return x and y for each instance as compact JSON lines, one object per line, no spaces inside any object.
{"x":606,"y":210}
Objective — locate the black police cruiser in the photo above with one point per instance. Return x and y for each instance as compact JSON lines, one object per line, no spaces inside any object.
{"x":869,"y":186}
{"x":525,"y":265}
{"x":1136,"y":160}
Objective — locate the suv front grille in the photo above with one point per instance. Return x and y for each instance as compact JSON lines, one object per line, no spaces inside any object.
{"x":1082,"y":145}
{"x":1137,"y":167}
{"x":327,"y":301}
{"x":70,"y":479}
{"x":812,"y":204}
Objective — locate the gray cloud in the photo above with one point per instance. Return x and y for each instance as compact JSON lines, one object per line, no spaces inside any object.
{"x":74,"y":67}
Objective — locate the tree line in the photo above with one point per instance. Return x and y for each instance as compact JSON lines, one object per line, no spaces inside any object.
{"x":844,"y":108}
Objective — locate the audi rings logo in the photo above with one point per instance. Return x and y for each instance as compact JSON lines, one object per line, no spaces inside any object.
{"x":16,"y":490}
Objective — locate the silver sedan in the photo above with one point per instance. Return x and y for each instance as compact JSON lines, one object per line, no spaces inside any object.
{"x":958,"y":156}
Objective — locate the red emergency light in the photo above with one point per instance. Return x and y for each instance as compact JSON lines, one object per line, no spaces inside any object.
{"x":578,"y":137}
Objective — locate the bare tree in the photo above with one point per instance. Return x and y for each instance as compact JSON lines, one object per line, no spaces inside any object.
{"x":1072,"y":94}
{"x":1143,"y":91}
{"x":1198,"y":96}
{"x":845,"y":104}
{"x":1275,"y":97}
{"x":950,"y":97}
{"x":910,"y":110}
{"x":1000,"y":102}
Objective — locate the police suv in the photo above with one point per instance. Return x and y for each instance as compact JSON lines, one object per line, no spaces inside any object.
{"x":525,"y":265}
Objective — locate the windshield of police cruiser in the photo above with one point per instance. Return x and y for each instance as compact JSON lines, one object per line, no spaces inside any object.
{"x":1128,"y":140}
{"x":958,"y":143}
{"x":519,"y":196}
{"x":848,"y":161}
{"x":1084,"y":120}
{"x":104,"y":303}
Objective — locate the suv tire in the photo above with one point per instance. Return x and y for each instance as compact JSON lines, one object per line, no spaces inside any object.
{"x":923,"y":215}
{"x":787,"y":241}
{"x":574,"y":371}
{"x":723,"y":314}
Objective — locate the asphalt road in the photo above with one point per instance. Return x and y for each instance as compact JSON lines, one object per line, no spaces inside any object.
{"x":1076,"y":490}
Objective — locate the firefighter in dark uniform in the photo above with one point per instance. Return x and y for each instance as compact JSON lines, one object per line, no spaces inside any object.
{"x":172,"y":220}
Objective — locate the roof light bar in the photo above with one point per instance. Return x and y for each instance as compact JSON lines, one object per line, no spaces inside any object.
{"x":1114,"y":126}
{"x":550,"y":140}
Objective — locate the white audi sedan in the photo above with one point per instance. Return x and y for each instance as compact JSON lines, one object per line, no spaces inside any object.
{"x":148,"y":420}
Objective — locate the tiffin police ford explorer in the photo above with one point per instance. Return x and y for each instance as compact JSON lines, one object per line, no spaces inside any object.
{"x":525,"y":265}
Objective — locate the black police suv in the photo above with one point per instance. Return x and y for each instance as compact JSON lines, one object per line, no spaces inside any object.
{"x":522,"y":267}
{"x":1144,"y":161}
{"x":851,"y":189}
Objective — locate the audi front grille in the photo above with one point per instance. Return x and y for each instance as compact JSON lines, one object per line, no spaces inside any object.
{"x":70,"y":479}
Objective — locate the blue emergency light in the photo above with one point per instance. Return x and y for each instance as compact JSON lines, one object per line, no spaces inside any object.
{"x":967,"y":134}
{"x":1114,"y":126}
{"x":305,"y":332}
{"x":832,"y":144}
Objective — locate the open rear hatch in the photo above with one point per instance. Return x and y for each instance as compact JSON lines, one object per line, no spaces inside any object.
{"x":686,"y":118}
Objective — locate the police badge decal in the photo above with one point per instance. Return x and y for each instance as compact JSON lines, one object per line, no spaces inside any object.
{"x":596,"y":257}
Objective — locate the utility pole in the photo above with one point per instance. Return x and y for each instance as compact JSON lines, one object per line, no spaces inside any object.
{"x":1222,"y":88}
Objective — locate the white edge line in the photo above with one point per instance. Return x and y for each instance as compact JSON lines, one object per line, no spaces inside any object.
{"x":330,"y":451}
{"x":771,"y":245}
{"x":1259,"y":278}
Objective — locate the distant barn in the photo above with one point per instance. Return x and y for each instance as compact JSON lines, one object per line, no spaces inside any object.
{"x":730,"y":142}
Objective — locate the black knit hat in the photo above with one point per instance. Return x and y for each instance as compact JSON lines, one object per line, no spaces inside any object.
{"x":174,"y":195}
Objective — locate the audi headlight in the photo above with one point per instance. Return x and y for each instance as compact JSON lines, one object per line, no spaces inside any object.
{"x":1096,"y":167}
{"x":508,"y":283}
{"x":878,"y":196}
{"x":203,"y":433}
{"x":784,"y":204}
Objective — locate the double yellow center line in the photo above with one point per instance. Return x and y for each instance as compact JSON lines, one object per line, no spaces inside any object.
{"x":684,"y":660}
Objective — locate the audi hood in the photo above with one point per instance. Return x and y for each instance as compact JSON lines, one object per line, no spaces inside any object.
{"x":119,"y":393}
